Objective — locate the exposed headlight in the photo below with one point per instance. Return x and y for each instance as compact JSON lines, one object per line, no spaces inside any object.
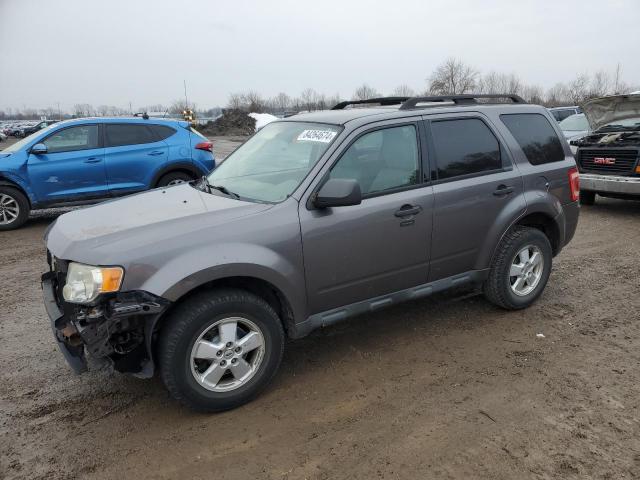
{"x":85,"y":282}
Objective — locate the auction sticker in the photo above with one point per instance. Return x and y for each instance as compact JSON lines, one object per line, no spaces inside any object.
{"x":322,"y":136}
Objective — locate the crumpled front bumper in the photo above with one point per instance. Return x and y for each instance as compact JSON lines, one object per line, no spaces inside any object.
{"x":74,"y":355}
{"x":610,"y":184}
{"x":118,"y":329}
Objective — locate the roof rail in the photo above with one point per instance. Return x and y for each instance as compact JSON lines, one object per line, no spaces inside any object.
{"x":469,"y":99}
{"x":142,"y":114}
{"x":378,"y":101}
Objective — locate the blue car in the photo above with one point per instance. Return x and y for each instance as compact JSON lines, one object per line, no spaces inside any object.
{"x":86,"y":160}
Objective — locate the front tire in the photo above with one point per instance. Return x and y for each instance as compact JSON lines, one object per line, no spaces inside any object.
{"x":219,"y":349}
{"x":520,"y":269}
{"x":587,"y":197}
{"x":14,"y":208}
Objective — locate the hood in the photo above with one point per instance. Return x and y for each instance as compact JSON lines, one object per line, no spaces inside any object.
{"x":604,"y":110}
{"x":104,"y":233}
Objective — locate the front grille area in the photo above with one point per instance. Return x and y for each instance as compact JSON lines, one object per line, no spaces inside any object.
{"x":624,"y":161}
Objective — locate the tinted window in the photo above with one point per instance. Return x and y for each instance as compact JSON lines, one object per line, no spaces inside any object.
{"x":381,"y":160}
{"x":119,"y":135}
{"x":73,"y":139}
{"x":464,"y":147}
{"x":536,"y":137}
{"x":162,"y":131}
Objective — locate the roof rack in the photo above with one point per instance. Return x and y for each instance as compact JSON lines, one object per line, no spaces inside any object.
{"x":142,"y":114}
{"x":469,"y":99}
{"x":378,"y":101}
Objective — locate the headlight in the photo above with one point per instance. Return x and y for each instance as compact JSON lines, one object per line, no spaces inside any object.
{"x":85,"y":283}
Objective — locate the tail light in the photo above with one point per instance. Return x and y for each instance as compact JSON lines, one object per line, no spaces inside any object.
{"x":574,"y":184}
{"x":206,"y":146}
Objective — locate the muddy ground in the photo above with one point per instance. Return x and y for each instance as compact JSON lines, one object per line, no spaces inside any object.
{"x":446,"y":387}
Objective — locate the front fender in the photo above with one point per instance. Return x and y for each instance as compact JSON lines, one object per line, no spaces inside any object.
{"x":194,"y":268}
{"x":11,"y":179}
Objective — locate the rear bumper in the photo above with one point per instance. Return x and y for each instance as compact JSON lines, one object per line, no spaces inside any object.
{"x":610,"y":184}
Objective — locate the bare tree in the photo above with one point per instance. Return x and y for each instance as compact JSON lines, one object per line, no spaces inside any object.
{"x":281,"y":102}
{"x":83,"y":110}
{"x":236,"y":101}
{"x":403,"y":91}
{"x":578,"y":88}
{"x":308,"y":99}
{"x":600,"y":84}
{"x":453,"y":77}
{"x":179,"y":106}
{"x":254,"y":102}
{"x":365,"y":92}
{"x":533,"y":94}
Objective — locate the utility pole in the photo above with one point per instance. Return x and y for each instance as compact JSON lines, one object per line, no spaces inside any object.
{"x":59,"y":114}
{"x":186,"y":102}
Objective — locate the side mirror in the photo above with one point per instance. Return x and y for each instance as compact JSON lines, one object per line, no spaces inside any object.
{"x":338,"y":192}
{"x":39,"y":149}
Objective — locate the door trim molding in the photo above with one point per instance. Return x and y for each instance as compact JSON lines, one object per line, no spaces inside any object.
{"x":335,"y":315}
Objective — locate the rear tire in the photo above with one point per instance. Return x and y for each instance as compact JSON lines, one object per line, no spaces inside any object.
{"x":174,"y":178}
{"x":587,"y":197}
{"x":207,"y":359}
{"x":514,"y":283}
{"x":14,"y":208}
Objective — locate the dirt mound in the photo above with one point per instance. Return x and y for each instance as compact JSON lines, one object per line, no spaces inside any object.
{"x":232,"y":122}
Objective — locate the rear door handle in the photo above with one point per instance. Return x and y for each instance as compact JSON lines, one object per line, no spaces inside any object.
{"x":155,"y":154}
{"x":93,"y":160}
{"x":408,"y":210}
{"x":503,"y":190}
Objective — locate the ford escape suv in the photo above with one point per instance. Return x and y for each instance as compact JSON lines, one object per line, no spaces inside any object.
{"x":86,"y":160}
{"x":316,"y":218}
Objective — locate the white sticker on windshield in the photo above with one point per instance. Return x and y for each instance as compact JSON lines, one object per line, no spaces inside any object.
{"x":323,"y":136}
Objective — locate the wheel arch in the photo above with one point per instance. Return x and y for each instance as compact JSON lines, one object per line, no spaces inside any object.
{"x":6,"y":182}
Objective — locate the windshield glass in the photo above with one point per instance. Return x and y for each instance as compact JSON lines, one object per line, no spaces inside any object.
{"x":575,"y":123}
{"x":272,"y":163}
{"x":622,"y":124}
{"x":18,"y":145}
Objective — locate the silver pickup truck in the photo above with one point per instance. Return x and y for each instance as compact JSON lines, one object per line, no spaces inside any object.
{"x":608,"y":158}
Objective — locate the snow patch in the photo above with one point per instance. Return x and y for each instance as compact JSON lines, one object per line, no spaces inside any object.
{"x":262,"y":119}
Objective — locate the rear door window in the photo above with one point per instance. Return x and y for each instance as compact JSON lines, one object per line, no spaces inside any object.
{"x":118,"y":135}
{"x":536,"y":137}
{"x":464,"y":147}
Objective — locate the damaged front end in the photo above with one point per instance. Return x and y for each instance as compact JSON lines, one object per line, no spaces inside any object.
{"x":116,"y":328}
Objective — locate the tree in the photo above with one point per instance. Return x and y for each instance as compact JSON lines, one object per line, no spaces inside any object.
{"x":403,"y":91}
{"x":179,"y":106}
{"x":600,"y":84}
{"x":236,"y":101}
{"x":254,"y":102}
{"x":365,"y":92}
{"x":578,"y":89}
{"x":453,"y":77}
{"x":308,"y":99}
{"x":281,"y":102}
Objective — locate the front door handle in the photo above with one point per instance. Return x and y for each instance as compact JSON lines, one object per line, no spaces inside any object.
{"x":408,"y":210}
{"x":503,"y":190}
{"x":155,"y":154}
{"x":93,"y":160}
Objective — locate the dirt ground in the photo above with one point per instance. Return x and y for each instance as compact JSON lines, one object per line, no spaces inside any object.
{"x":446,"y":387}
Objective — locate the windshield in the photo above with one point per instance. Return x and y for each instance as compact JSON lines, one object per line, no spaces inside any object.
{"x":576,"y":122}
{"x":272,"y":163}
{"x":18,"y":145}
{"x":627,"y":123}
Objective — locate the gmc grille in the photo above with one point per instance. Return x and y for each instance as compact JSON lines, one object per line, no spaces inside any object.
{"x":625,"y":161}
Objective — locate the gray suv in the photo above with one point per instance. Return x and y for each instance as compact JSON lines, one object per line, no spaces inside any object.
{"x":316,"y":218}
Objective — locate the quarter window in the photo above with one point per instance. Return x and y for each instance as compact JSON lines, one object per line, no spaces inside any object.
{"x":162,"y":131}
{"x":381,"y":160}
{"x":464,"y":147}
{"x":120,"y":135}
{"x":72,"y":139}
{"x":536,"y":137}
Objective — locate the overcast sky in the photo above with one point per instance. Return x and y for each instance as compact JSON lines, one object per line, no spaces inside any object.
{"x":116,"y":51}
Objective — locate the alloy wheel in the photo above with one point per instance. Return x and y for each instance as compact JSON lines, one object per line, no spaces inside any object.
{"x":227,"y":354}
{"x":526,"y":270}
{"x":9,"y":209}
